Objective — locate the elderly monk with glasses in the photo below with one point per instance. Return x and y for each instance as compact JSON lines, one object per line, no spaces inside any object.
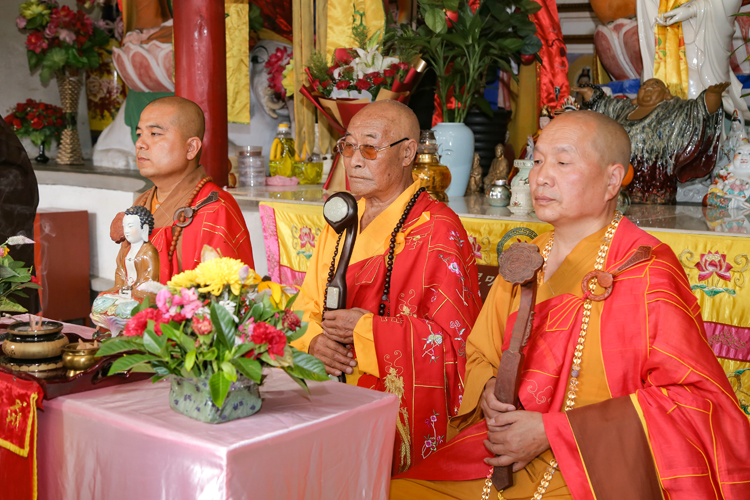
{"x":412,"y":286}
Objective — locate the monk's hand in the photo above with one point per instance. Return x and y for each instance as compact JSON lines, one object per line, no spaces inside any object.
{"x":586,"y":92}
{"x":516,"y":438}
{"x":339,"y":325}
{"x":490,"y":405}
{"x":336,"y":357}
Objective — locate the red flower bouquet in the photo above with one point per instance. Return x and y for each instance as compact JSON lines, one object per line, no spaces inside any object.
{"x":39,"y":121}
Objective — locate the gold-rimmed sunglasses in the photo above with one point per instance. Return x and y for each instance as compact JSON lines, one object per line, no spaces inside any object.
{"x":367,"y":151}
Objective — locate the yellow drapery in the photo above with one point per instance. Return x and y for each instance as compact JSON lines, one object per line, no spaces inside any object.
{"x":238,"y":59}
{"x":670,"y":61}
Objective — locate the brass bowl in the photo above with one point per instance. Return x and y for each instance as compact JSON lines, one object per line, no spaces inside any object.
{"x":45,"y":368}
{"x":24,"y":328}
{"x":75,"y":359}
{"x":34,"y":347}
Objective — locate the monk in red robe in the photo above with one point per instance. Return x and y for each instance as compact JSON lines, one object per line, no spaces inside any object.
{"x":404,"y":329}
{"x":620,"y":396}
{"x":168,"y":149}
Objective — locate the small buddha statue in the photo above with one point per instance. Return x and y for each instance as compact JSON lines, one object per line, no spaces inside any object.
{"x":731,"y":188}
{"x":498,"y":168}
{"x":475,"y":179}
{"x":137,"y":267}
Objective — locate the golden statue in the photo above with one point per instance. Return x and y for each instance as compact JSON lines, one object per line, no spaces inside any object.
{"x":475,"y":179}
{"x":498,"y":169}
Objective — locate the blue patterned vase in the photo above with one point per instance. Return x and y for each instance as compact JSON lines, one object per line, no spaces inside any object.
{"x":192,"y":397}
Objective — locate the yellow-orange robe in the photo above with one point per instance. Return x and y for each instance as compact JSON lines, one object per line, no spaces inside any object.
{"x":648,"y":378}
{"x":417,"y":350}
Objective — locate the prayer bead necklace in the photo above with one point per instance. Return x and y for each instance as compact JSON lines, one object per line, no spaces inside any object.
{"x":331,"y":270}
{"x":570,"y":399}
{"x":178,"y":229}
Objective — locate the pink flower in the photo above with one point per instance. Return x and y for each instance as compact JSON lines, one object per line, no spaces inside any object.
{"x":244,"y":273}
{"x":713,"y":263}
{"x":21,"y":22}
{"x":51,"y":30}
{"x":163,"y":300}
{"x":190,"y":302}
{"x":202,"y":326}
{"x":67,"y":36}
{"x":247,"y":328}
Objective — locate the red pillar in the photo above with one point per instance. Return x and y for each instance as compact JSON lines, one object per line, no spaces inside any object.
{"x":201,"y":74}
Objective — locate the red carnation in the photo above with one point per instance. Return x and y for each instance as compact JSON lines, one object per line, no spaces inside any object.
{"x":372,"y":75}
{"x":404,"y":66}
{"x":30,"y":116}
{"x":332,"y":69}
{"x":58,"y":122}
{"x":378,"y":80}
{"x":19,"y":107}
{"x":17,"y":123}
{"x":263,"y":333}
{"x":326,"y":83}
{"x":291,"y":320}
{"x":389,"y":73}
{"x":9,"y":119}
{"x":363,"y":84}
{"x":342,"y":85}
{"x":36,"y":124}
{"x":138,"y":323}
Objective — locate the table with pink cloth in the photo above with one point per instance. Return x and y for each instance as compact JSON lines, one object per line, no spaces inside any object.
{"x":125,"y":442}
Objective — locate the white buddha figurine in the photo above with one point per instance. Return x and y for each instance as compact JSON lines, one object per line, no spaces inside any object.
{"x":137,"y":268}
{"x":731,"y":189}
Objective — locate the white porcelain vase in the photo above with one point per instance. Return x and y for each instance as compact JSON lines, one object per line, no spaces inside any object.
{"x":456,"y":150}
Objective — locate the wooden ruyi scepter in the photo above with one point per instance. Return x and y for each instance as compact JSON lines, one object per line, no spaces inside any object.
{"x":518,"y":265}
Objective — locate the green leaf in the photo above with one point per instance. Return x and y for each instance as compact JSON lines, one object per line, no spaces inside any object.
{"x":298,"y":333}
{"x":300,"y":381}
{"x":219,"y":386}
{"x":229,"y":371}
{"x":531,"y":45}
{"x":129,"y":361}
{"x":210,"y":354}
{"x":31,"y":285}
{"x":74,"y":59}
{"x":223,"y":324}
{"x":291,"y":301}
{"x":55,"y":59}
{"x":117,"y":345}
{"x":484,"y":105}
{"x":161,"y":367}
{"x":171,"y":332}
{"x":528,"y":7}
{"x":35,"y":60}
{"x":307,"y":366}
{"x":20,"y":294}
{"x":92,"y":58}
{"x":153,"y":342}
{"x":35,"y":22}
{"x":142,"y":368}
{"x":142,"y":306}
{"x":46,"y":74}
{"x":435,"y":20}
{"x":7,"y":272}
{"x":189,"y":360}
{"x":256,"y":18}
{"x":8,"y":305}
{"x":100,"y":38}
{"x":242,"y":349}
{"x":250,"y":368}
{"x":450,"y":4}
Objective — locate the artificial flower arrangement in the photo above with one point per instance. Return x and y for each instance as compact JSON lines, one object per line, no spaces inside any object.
{"x":371,"y":71}
{"x":214,"y":328}
{"x":38,"y":121}
{"x":59,"y":38}
{"x":14,"y":277}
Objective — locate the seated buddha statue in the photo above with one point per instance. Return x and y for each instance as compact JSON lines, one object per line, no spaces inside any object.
{"x":137,"y":267}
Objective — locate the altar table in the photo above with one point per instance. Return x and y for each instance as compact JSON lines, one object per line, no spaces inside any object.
{"x":126,"y":443}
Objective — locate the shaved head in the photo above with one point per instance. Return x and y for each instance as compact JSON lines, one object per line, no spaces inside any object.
{"x":187,"y":116}
{"x":608,"y":139}
{"x":403,"y":121}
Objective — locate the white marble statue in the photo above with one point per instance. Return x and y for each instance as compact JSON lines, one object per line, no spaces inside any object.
{"x":731,"y":189}
{"x":708,"y":28}
{"x":735,"y":137}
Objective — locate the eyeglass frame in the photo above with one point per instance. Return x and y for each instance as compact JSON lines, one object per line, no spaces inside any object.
{"x":340,"y":144}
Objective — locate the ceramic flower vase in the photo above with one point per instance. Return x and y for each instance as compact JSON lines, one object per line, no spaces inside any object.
{"x":69,"y":150}
{"x":456,"y":150}
{"x":192,"y":398}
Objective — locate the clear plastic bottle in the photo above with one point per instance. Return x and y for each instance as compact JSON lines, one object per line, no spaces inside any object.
{"x":251,"y":166}
{"x":281,"y":159}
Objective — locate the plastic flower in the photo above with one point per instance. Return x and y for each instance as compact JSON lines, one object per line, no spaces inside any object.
{"x":32,"y":8}
{"x":67,"y":36}
{"x":21,"y":22}
{"x":36,"y":42}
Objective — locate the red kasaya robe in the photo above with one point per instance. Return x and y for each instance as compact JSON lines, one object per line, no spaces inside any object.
{"x":219,"y":225}
{"x":656,"y":416}
{"x":417,"y":350}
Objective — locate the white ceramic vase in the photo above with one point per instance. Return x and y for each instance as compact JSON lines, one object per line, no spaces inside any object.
{"x":456,"y":150}
{"x":524,"y":167}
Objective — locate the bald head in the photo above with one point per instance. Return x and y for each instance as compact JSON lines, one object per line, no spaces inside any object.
{"x":186,"y":116}
{"x":400,"y":119}
{"x":606,"y":138}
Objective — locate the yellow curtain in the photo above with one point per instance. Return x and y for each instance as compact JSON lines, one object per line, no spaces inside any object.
{"x":340,"y":14}
{"x":238,"y":60}
{"x":670,"y":61}
{"x":525,"y":121}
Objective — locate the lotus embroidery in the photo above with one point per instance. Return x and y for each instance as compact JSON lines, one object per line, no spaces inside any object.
{"x":713,"y":263}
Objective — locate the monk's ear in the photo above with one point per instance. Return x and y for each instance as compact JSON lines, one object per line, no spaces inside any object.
{"x":410,"y":152}
{"x":616,"y":173}
{"x":194,"y":146}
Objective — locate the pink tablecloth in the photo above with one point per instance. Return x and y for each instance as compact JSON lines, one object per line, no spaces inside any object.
{"x":126,"y":443}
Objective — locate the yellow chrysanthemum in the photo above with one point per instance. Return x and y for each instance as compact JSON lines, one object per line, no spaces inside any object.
{"x":288,"y":78}
{"x":30,"y":9}
{"x":186,"y":279}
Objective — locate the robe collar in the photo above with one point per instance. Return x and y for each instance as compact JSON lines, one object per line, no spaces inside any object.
{"x":178,"y":198}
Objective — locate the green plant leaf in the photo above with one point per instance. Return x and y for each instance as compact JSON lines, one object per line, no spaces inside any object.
{"x":300,"y":381}
{"x":7,"y":272}
{"x":307,"y":366}
{"x":117,"y":345}
{"x":31,"y":285}
{"x":297,"y":333}
{"x":100,"y":38}
{"x":74,"y":59}
{"x":528,"y":7}
{"x":171,"y":332}
{"x":211,"y":354}
{"x":189,"y":360}
{"x":55,"y":59}
{"x":35,"y":60}
{"x":250,"y":368}
{"x":531,"y":45}
{"x":153,"y":342}
{"x":129,"y":361}
{"x":435,"y":20}
{"x":291,"y":301}
{"x":219,"y":386}
{"x":223,"y":324}
{"x":450,"y":4}
{"x":92,"y":58}
{"x":35,"y":22}
{"x":161,"y":367}
{"x":242,"y":349}
{"x":8,"y":305}
{"x":142,"y":306}
{"x":484,"y":105}
{"x":229,"y":370}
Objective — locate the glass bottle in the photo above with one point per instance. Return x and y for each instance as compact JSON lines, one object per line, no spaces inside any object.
{"x":281,"y":159}
{"x":427,"y":168}
{"x":310,"y":171}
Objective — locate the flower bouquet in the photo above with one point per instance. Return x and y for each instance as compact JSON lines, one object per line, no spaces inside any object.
{"x":14,"y":277}
{"x":38,"y":121}
{"x":214,"y":329}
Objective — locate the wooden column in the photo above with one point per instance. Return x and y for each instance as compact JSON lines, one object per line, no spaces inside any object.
{"x":201,"y":75}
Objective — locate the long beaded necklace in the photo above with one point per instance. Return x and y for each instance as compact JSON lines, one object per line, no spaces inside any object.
{"x":178,"y":229}
{"x":391,"y":251}
{"x":577,"y":355}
